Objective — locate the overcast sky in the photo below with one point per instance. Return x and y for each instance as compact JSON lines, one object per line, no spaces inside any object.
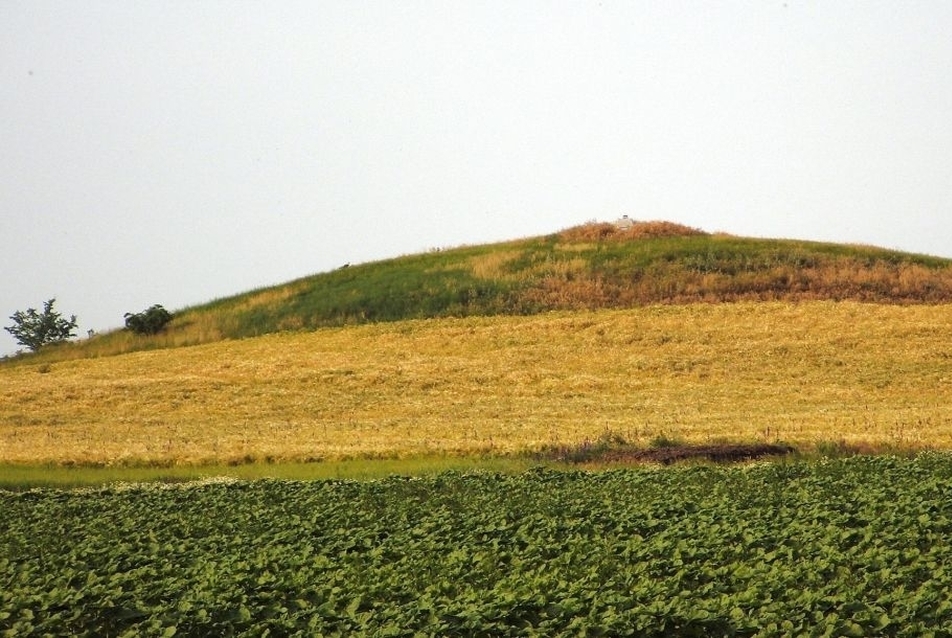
{"x":174,"y":152}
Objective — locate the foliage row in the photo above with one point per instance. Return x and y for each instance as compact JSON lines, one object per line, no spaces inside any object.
{"x":854,"y":547}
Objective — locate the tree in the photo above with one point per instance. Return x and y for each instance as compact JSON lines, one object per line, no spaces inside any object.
{"x":34,"y":330}
{"x":149,"y":321}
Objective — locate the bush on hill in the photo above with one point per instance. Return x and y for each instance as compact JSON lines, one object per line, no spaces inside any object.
{"x":149,"y":321}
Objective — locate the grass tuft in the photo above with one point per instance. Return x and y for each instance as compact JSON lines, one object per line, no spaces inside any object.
{"x":664,"y":441}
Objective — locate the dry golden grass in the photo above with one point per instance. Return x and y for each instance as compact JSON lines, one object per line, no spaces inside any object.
{"x":492,"y":265}
{"x":800,"y":373}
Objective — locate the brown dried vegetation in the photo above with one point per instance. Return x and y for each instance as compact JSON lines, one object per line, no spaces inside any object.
{"x":717,"y":268}
{"x":605,"y":231}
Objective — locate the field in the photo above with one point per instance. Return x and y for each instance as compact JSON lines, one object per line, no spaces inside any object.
{"x":873,"y":377}
{"x":847,"y":547}
{"x":499,"y":359}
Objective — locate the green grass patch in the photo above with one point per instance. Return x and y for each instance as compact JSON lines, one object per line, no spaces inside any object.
{"x":16,"y":477}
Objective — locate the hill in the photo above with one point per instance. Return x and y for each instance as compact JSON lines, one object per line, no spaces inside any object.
{"x":526,"y":345}
{"x":592,"y":266}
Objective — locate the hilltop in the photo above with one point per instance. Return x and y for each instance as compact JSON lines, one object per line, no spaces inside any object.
{"x":592,"y":266}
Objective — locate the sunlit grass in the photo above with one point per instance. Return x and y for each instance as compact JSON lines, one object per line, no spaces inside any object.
{"x":804,"y":374}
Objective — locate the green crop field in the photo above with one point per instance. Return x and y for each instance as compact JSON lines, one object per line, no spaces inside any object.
{"x":849,"y":547}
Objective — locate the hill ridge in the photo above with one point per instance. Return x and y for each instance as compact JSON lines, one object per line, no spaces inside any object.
{"x":591,"y":266}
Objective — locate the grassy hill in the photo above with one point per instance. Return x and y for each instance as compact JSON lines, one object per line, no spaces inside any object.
{"x":587,"y":335}
{"x":587,"y":267}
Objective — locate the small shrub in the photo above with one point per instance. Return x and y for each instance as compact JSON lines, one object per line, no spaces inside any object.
{"x":148,"y":322}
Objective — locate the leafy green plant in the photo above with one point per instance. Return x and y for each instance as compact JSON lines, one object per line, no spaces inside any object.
{"x":36,"y":329}
{"x":148,"y":322}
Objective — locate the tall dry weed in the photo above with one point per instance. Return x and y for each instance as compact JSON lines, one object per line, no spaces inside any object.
{"x":605,"y":231}
{"x":643,"y":230}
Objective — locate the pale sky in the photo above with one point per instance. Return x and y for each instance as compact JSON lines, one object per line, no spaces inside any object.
{"x":175,"y":152}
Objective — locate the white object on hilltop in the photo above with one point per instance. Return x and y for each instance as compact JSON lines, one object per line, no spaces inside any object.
{"x":625,"y":223}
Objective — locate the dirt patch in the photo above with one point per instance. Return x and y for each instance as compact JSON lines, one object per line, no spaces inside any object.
{"x":617,"y":451}
{"x":723,"y":453}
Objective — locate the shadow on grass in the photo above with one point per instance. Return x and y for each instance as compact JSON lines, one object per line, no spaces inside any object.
{"x":615,"y":451}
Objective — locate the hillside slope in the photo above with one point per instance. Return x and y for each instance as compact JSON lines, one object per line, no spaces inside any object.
{"x":587,"y":267}
{"x":810,"y":374}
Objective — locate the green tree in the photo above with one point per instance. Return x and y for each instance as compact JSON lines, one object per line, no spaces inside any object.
{"x":36,"y":329}
{"x":149,"y":321}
